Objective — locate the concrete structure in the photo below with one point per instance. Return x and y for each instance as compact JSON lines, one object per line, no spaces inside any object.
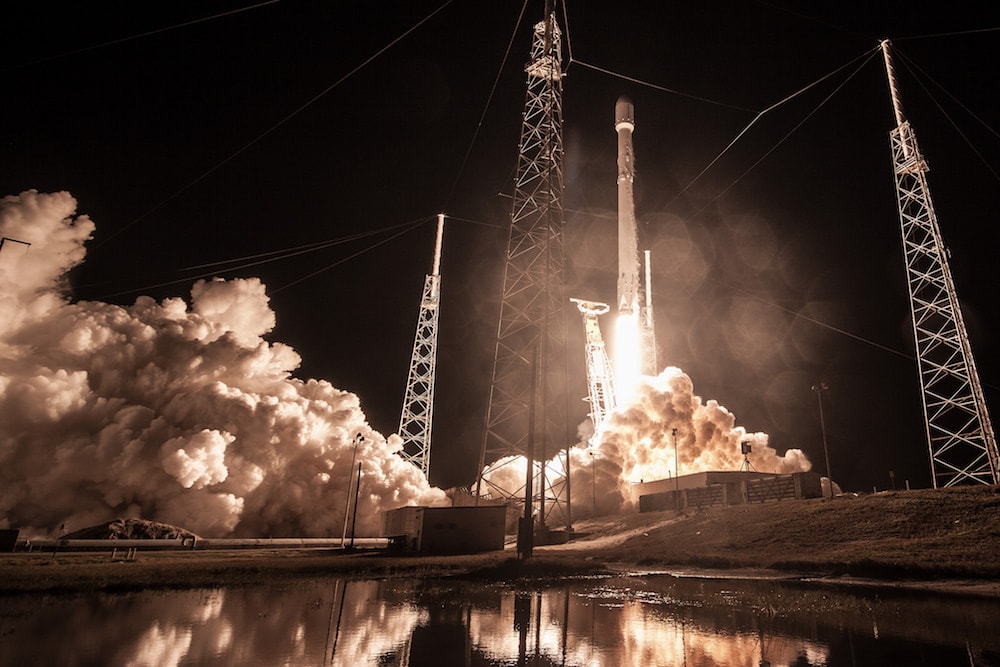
{"x":8,"y":539}
{"x":446,"y":530}
{"x":704,"y":489}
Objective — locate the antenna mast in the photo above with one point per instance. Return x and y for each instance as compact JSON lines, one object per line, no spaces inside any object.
{"x":418,"y":403}
{"x":963,"y":447}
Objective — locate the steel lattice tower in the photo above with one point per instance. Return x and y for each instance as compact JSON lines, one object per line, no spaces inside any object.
{"x":600,"y":376}
{"x":531,"y":334}
{"x":418,"y":403}
{"x":960,"y":436}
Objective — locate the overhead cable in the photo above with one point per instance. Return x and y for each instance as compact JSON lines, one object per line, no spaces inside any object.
{"x":274,"y":127}
{"x":139,"y":36}
{"x":912,"y":66}
{"x":486,"y":107}
{"x":787,"y":135}
{"x":867,"y":56}
{"x":257,"y":259}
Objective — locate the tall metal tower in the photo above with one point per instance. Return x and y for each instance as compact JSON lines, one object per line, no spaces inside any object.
{"x":531,"y":334}
{"x":960,"y":436}
{"x":600,"y":376}
{"x":418,"y":403}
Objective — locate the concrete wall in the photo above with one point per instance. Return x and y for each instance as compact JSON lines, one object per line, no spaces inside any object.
{"x":731,"y":488}
{"x":8,"y":539}
{"x":440,"y":530}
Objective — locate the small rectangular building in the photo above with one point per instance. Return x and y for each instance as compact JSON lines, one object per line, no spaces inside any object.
{"x":8,"y":539}
{"x":445,"y":530}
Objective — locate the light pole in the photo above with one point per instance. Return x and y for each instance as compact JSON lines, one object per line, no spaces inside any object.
{"x":677,"y":471}
{"x":819,"y":389}
{"x":350,"y":482}
{"x":354,"y":519}
{"x":593,"y":481}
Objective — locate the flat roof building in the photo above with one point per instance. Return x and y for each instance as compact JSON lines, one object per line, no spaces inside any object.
{"x":446,"y":530}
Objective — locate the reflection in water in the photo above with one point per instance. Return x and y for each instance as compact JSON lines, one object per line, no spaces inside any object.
{"x":650,"y":620}
{"x":610,"y":625}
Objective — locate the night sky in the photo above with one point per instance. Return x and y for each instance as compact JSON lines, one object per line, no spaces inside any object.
{"x":291,"y":124}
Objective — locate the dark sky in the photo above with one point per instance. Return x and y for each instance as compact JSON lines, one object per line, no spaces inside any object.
{"x":280,"y":126}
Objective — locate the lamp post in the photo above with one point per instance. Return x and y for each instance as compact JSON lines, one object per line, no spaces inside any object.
{"x":819,"y":389}
{"x":354,"y":520}
{"x":350,"y":481}
{"x":593,"y":481}
{"x":677,"y":470}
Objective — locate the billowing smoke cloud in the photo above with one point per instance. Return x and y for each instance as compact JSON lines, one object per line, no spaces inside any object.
{"x":169,"y":411}
{"x":638,"y":444}
{"x":640,"y":437}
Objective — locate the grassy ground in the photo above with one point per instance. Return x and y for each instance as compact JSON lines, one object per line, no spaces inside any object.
{"x":951,"y":535}
{"x":943,"y":533}
{"x":90,"y":571}
{"x":944,"y":540}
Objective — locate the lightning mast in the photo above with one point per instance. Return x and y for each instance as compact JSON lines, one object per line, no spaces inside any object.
{"x":531,"y":333}
{"x":418,"y":403}
{"x":963,"y":447}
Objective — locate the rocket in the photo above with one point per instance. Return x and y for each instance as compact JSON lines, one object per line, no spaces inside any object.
{"x":628,"y":233}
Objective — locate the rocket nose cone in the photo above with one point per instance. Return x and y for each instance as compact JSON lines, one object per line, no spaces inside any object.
{"x":624,"y":112}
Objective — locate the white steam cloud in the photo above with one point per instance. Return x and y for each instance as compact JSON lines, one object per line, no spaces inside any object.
{"x":640,"y":439}
{"x":168,"y":411}
{"x":638,"y":444}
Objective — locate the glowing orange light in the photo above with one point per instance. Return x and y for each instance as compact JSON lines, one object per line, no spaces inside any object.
{"x":627,"y":357}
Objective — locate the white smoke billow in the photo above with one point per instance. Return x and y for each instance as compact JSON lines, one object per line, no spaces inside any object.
{"x":707,"y":436}
{"x":165,"y":411}
{"x":638,"y":444}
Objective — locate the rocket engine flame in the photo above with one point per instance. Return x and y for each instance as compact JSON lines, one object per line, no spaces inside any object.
{"x":169,"y":412}
{"x":628,"y":356}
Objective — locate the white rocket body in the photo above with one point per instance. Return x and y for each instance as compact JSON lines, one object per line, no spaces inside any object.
{"x":628,"y":233}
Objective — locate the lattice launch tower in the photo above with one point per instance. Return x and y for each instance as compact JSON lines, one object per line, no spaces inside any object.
{"x":415,"y":421}
{"x":960,"y":436}
{"x":527,"y":410}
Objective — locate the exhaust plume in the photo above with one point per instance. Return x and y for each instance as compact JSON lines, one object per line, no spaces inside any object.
{"x":169,"y":411}
{"x":638,"y":444}
{"x":640,"y":438}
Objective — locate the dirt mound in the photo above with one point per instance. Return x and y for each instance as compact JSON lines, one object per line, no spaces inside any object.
{"x":131,"y":529}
